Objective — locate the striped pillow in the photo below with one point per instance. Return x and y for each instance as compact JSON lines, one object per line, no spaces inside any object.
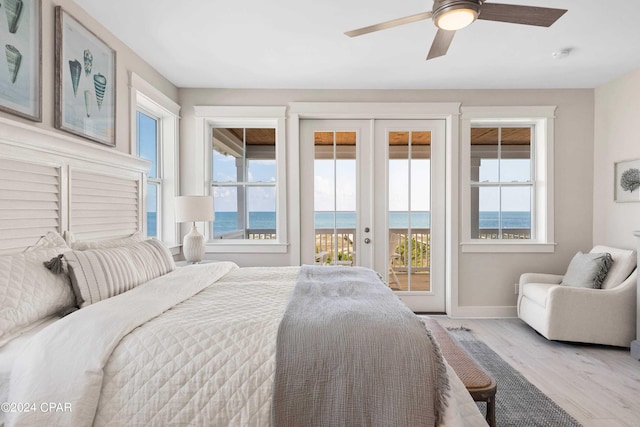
{"x":98,"y":274}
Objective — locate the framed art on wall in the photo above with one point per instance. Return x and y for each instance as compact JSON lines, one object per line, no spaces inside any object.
{"x":85,"y":82}
{"x":627,"y":181}
{"x":21,"y":73}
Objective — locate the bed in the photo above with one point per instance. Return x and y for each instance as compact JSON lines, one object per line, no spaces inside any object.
{"x":208,"y":359}
{"x":173,"y":346}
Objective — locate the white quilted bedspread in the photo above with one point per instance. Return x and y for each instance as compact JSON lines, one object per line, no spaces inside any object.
{"x":216,"y":349}
{"x":208,"y":360}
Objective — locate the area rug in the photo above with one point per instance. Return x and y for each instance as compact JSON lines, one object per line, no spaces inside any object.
{"x":518,"y":402}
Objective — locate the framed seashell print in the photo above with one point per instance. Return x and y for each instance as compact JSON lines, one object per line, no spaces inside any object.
{"x":627,"y":181}
{"x":85,"y":82}
{"x":21,"y":67}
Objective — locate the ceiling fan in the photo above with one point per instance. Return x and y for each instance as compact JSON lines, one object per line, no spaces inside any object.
{"x":452,"y":15}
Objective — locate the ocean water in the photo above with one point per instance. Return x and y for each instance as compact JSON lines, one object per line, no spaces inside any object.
{"x":152,"y":224}
{"x":396,"y":219}
{"x":509,"y":219}
{"x":228,"y":221}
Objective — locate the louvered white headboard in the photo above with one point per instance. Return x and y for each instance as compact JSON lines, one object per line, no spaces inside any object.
{"x":29,"y":202}
{"x":53,"y":182}
{"x":103,"y":205}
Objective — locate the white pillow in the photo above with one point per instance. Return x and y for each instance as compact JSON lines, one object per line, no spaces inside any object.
{"x":98,"y":274}
{"x":29,"y":292}
{"x":136,"y":237}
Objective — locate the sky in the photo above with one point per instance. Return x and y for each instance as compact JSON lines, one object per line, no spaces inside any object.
{"x":260,"y":199}
{"x":147,"y":149}
{"x":513,"y":199}
{"x":505,"y":170}
{"x":147,"y":141}
{"x":263,"y":198}
{"x":342,"y":197}
{"x":346,"y":188}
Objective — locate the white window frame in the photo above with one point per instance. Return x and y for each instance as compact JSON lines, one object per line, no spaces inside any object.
{"x":209,"y":117}
{"x":542,"y":121}
{"x":150,"y":101}
{"x":157,"y":181}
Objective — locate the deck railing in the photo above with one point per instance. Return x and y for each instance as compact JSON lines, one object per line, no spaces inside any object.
{"x":403,"y":250}
{"x":410,"y":249}
{"x":258,"y":233}
{"x":335,"y":247}
{"x":338,"y":247}
{"x":507,"y":233}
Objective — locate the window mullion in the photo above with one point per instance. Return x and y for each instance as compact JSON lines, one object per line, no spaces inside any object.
{"x":245,"y":178}
{"x":335,"y":199}
{"x":409,"y":247}
{"x":533,"y":177}
{"x":503,"y":197}
{"x":145,"y":145}
{"x":524,"y":177}
{"x":500,"y":181}
{"x":238,"y":155}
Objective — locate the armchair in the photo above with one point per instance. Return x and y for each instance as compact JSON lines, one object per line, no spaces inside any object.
{"x":599,"y":316}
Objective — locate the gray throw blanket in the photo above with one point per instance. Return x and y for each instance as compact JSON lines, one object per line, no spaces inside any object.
{"x":350,"y":353}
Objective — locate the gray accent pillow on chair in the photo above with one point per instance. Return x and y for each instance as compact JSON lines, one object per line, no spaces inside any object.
{"x":587,"y":270}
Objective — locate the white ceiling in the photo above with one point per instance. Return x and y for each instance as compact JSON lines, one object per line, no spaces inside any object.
{"x":300,"y":44}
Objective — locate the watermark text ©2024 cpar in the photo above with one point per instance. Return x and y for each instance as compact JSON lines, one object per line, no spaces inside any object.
{"x":45,"y":407}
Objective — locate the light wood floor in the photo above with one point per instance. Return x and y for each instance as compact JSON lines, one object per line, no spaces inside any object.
{"x":597,"y":385}
{"x":419,"y":281}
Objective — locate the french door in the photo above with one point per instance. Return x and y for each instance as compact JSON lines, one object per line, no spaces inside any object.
{"x":373,"y":195}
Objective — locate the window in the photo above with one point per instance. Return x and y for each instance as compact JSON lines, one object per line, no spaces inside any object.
{"x":502,"y":182}
{"x":244,"y":183}
{"x":244,"y":168}
{"x":148,"y":148}
{"x":154,"y":126}
{"x":507,"y":171}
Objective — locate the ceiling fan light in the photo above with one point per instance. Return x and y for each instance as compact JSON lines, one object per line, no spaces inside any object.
{"x":456,"y":19}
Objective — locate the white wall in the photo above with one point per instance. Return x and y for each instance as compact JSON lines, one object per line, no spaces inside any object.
{"x":485,"y":280}
{"x":126,"y":61}
{"x":617,"y":137}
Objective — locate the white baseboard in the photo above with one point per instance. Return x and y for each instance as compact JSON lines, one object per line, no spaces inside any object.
{"x":500,"y":312}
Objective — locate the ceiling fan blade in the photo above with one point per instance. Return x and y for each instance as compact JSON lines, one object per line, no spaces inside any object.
{"x":516,"y":14}
{"x":441,"y":44}
{"x":389,"y":24}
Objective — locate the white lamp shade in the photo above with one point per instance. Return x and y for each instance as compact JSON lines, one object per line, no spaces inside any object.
{"x":194,"y":208}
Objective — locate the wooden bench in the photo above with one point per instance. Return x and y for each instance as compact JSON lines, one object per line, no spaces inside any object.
{"x":480,"y":384}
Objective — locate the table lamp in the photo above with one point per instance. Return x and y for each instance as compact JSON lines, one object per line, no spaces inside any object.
{"x":192,"y":209}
